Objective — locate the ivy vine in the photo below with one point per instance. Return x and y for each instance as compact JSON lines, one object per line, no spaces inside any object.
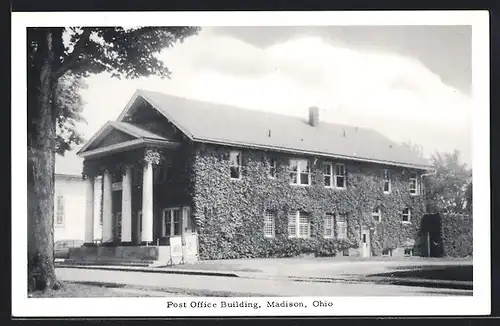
{"x":230,"y":213}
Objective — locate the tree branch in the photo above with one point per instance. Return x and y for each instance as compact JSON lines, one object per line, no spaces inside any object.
{"x":73,"y":57}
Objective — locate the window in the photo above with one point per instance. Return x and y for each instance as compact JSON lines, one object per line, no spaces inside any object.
{"x":339,"y":175}
{"x":406,"y":215}
{"x":272,"y":167}
{"x":408,"y":252}
{"x":59,"y":211}
{"x":300,"y":172}
{"x":299,"y":225}
{"x":342,"y":226}
{"x":387,"y":181}
{"x":172,"y":222}
{"x":376,"y":215}
{"x":328,"y":225}
{"x":413,"y":183}
{"x":387,"y":252}
{"x":327,"y":174}
{"x":190,"y":220}
{"x":235,"y":161}
{"x":269,"y":220}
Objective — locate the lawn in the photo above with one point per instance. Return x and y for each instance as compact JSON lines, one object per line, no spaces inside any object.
{"x":91,"y":290}
{"x":448,"y":273}
{"x":75,"y":290}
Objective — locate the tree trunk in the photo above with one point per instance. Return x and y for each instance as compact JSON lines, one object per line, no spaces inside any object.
{"x":41,"y":166}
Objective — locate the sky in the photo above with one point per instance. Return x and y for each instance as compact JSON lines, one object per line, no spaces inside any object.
{"x":411,"y":83}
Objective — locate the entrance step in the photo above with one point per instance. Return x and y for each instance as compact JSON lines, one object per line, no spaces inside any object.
{"x":107,"y":262}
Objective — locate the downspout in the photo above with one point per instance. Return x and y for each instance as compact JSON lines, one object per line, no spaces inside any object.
{"x":426,"y":175}
{"x":428,"y":235}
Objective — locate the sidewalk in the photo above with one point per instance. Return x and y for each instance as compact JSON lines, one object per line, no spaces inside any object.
{"x":308,"y":270}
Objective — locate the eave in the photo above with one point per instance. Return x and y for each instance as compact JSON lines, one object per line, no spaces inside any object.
{"x":312,"y":153}
{"x":128,"y":145}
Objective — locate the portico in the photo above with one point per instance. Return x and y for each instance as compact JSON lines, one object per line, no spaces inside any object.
{"x":138,"y":188}
{"x":118,"y":223}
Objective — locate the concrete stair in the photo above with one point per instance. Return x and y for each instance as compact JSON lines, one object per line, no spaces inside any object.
{"x":109,"y":262}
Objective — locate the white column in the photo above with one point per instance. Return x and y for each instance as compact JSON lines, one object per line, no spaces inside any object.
{"x":89,"y":210}
{"x":127,"y":205}
{"x":107,"y":209}
{"x":97,"y":208}
{"x":147,"y":203}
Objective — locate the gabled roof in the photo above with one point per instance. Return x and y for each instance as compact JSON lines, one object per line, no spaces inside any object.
{"x":137,"y":132}
{"x":228,"y":125}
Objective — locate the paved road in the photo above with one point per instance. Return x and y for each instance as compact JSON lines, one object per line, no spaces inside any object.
{"x":239,"y":286}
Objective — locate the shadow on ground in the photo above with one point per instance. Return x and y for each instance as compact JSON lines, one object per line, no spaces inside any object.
{"x":455,"y":277}
{"x":429,"y":272}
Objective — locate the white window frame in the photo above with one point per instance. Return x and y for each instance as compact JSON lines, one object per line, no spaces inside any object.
{"x":377,"y":215}
{"x":327,"y":174}
{"x":237,"y":165}
{"x":339,"y":224}
{"x":171,"y":216}
{"x":412,"y":181}
{"x":408,"y":214}
{"x":190,"y":221}
{"x":329,"y":232}
{"x":60,"y":212}
{"x":269,"y":223}
{"x":296,"y":223}
{"x":297,"y":181}
{"x":271,"y":161}
{"x":387,"y":180}
{"x":388,"y":254}
{"x":409,"y":254}
{"x":342,"y":165}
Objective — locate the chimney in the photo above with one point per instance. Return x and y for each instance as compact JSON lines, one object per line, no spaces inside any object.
{"x":313,"y":116}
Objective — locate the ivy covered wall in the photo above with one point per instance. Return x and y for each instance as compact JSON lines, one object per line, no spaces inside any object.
{"x":230,"y":213}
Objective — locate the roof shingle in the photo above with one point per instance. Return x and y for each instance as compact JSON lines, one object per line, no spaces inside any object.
{"x":210,"y":122}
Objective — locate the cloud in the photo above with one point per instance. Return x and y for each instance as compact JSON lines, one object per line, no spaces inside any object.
{"x":394,"y":94}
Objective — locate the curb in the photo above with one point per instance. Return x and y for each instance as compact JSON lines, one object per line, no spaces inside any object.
{"x":148,"y":270}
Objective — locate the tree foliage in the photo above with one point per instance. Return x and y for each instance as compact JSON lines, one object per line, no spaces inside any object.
{"x":415,"y":148}
{"x":58,"y":58}
{"x":69,"y":106}
{"x":450,"y":189}
{"x":78,"y":52}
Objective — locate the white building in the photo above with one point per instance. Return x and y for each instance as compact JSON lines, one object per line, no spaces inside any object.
{"x":69,"y":207}
{"x":69,"y":200}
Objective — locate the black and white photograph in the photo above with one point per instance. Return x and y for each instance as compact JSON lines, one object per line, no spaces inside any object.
{"x":267,"y":164}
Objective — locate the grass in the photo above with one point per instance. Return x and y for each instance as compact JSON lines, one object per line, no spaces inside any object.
{"x":76,"y":290}
{"x":448,"y":273}
{"x":94,"y":290}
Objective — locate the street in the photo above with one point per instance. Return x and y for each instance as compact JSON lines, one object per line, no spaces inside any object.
{"x":235,"y":286}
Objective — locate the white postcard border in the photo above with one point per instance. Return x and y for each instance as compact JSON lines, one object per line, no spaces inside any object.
{"x":478,"y":304}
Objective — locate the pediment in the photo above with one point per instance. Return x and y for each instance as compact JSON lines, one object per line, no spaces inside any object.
{"x":112,"y":138}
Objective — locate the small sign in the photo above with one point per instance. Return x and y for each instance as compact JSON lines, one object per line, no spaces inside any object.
{"x":190,"y":244}
{"x":175,"y":247}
